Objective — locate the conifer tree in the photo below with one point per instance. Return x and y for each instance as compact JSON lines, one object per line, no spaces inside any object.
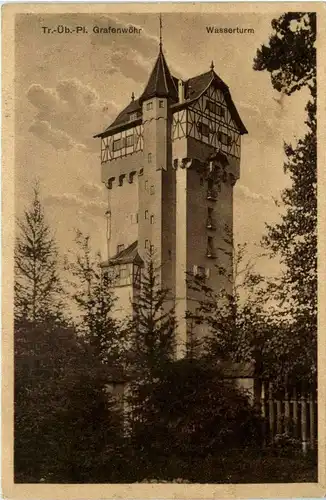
{"x":38,"y":290}
{"x":95,"y":300}
{"x":152,"y":327}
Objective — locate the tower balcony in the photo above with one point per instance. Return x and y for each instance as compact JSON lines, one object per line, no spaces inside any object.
{"x":210,"y":224}
{"x":212,"y":194}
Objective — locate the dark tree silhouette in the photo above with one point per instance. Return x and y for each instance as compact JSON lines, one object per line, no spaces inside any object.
{"x":38,"y":291}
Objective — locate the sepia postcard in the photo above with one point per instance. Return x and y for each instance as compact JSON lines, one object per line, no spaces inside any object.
{"x":163,"y":227}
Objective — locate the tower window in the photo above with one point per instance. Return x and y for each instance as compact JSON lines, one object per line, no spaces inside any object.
{"x":224,"y":138}
{"x":210,"y":247}
{"x":199,"y":271}
{"x":130,"y":140}
{"x":201,"y":181}
{"x":210,"y":220}
{"x":149,"y":106}
{"x":152,"y":190}
{"x":215,"y":108}
{"x":149,"y":157}
{"x":203,"y":129}
{"x":161,"y":104}
{"x":152,"y":219}
{"x":134,"y":218}
{"x":123,"y":272}
{"x":146,"y":185}
{"x":120,"y":248}
{"x":211,"y":191}
{"x":146,"y":214}
{"x":117,"y":144}
{"x":147,"y":244}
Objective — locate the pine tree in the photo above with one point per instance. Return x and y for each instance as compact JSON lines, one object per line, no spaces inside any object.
{"x":95,"y":300}
{"x":38,"y":291}
{"x":152,"y":327}
{"x":151,"y":332}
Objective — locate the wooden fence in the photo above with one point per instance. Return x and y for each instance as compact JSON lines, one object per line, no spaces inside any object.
{"x":291,"y":412}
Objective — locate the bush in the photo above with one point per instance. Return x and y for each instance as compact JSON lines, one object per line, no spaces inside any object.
{"x":191,"y":413}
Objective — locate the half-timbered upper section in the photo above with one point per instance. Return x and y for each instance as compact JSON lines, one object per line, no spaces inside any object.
{"x":201,"y":109}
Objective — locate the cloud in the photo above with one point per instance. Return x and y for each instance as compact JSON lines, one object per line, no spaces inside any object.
{"x":143,"y":42}
{"x":70,"y":114}
{"x":71,"y":201}
{"x":132,"y":55}
{"x":87,"y":202}
{"x":57,"y":138}
{"x":131,"y":64}
{"x":243,"y":192}
{"x":91,"y":190}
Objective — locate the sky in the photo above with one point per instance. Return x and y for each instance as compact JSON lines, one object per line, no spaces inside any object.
{"x":70,"y":87}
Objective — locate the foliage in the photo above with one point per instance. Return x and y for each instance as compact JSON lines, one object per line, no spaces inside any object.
{"x":290,"y":57}
{"x":238,"y":317}
{"x":95,"y":302}
{"x":38,"y":291}
{"x":66,"y":426}
{"x":188,"y":414}
{"x":152,"y":327}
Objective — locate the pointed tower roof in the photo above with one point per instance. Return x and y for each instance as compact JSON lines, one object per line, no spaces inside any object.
{"x":161,"y":83}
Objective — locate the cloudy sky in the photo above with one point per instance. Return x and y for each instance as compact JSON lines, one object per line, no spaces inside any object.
{"x":70,"y":87}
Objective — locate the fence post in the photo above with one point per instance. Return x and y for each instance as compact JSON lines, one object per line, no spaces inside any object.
{"x":295,"y":413}
{"x":287,"y":412}
{"x":271,"y":411}
{"x":312,"y":420}
{"x":304,"y":424}
{"x":264,"y":412}
{"x":278,"y":416}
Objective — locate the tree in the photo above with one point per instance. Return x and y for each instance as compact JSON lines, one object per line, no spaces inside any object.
{"x":151,"y":331}
{"x":152,"y":327}
{"x":191,"y":414}
{"x":94,"y":298}
{"x":67,"y":428}
{"x":290,"y":57}
{"x":240,"y":316}
{"x":38,"y":290}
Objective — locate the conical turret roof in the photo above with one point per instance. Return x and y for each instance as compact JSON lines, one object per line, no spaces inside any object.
{"x":161,"y":83}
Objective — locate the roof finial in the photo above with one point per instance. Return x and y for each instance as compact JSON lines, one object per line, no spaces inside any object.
{"x":160,"y":32}
{"x":212,"y":65}
{"x":132,"y":96}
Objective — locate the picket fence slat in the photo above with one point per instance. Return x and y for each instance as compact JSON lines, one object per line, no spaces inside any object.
{"x":292,"y":412}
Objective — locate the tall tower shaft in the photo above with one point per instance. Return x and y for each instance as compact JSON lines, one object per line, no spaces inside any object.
{"x":170,"y":161}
